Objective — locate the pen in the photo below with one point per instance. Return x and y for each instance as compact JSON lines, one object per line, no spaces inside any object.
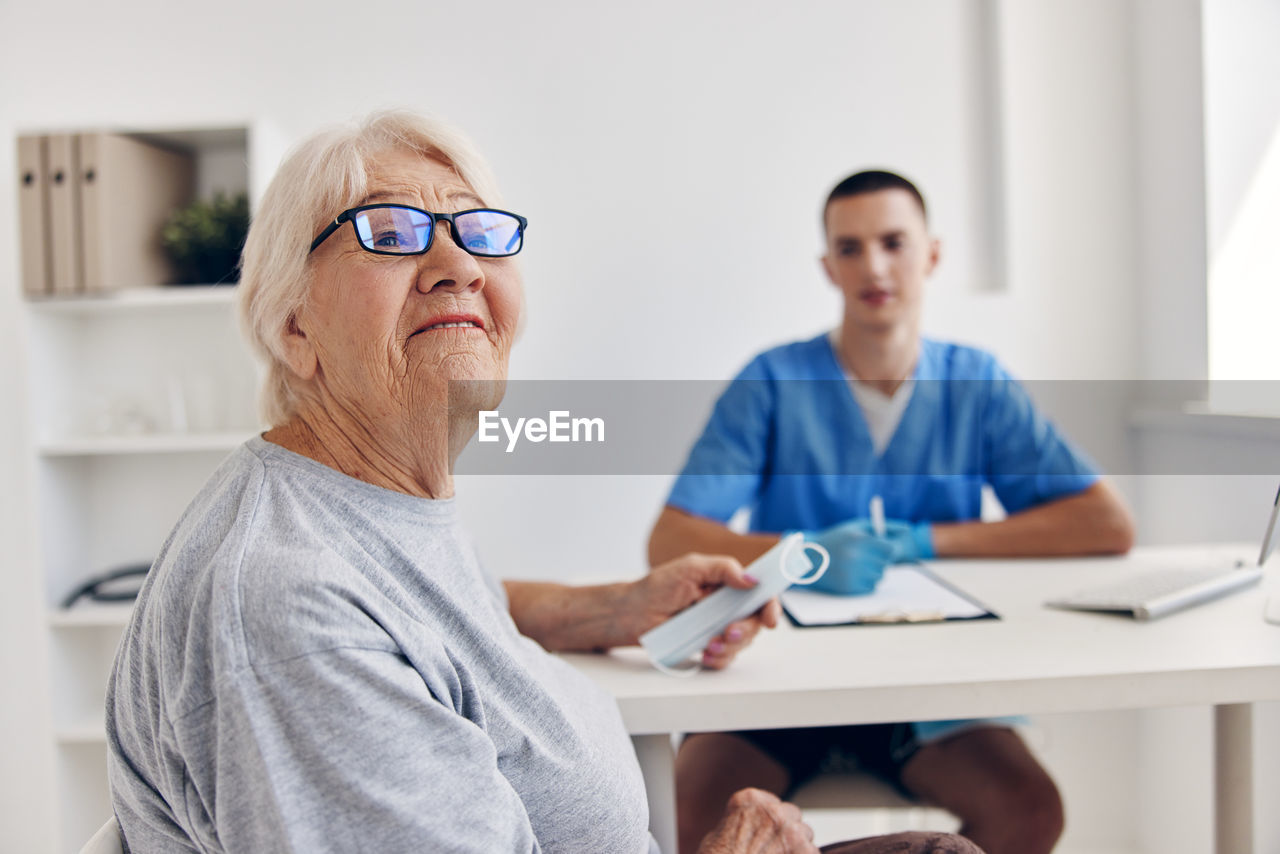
{"x":877,"y":515}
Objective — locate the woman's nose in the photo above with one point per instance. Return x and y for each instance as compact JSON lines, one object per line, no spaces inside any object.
{"x":447,"y":266}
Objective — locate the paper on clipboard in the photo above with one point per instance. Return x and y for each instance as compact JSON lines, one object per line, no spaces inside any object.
{"x":907,"y":593}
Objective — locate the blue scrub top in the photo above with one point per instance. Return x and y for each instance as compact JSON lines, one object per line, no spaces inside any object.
{"x":788,"y":440}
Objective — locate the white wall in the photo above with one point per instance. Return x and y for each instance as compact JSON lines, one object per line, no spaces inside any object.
{"x":1242,"y":103}
{"x":1242,"y":153}
{"x":672,"y":158}
{"x":1170,"y":190}
{"x":26,"y":778}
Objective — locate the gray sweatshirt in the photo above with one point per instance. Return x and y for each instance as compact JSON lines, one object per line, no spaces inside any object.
{"x":317,"y":664}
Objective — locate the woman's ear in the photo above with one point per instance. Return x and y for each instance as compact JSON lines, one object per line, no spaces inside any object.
{"x":299,"y":352}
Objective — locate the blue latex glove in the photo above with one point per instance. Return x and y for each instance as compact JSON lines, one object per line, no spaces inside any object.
{"x":911,"y":542}
{"x":858,"y":559}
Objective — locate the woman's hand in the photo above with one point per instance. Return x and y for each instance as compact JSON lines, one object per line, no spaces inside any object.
{"x":756,"y":822}
{"x":675,"y":585}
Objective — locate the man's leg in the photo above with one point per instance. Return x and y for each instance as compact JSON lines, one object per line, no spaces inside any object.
{"x":1007,"y":803}
{"x":710,"y":767}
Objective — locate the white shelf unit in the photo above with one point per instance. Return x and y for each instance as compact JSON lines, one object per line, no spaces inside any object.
{"x":135,"y":299}
{"x":155,"y":443}
{"x":135,"y":397}
{"x":91,"y":615}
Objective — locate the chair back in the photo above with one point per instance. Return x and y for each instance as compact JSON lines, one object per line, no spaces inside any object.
{"x":106,"y":840}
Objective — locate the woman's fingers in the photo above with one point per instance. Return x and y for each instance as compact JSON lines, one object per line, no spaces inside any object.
{"x":771,"y":613}
{"x":738,"y":635}
{"x":757,"y":822}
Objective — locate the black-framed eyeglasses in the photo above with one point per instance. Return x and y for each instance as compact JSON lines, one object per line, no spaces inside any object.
{"x":387,"y":229}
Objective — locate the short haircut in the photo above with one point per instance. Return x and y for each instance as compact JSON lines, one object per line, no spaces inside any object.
{"x":319,"y":179}
{"x":873,"y":181}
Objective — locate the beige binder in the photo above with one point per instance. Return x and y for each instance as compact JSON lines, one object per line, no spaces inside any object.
{"x":33,"y":213}
{"x":129,"y":187}
{"x":63,"y":237}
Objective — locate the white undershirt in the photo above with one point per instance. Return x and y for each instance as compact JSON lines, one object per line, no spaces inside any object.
{"x":881,"y":411}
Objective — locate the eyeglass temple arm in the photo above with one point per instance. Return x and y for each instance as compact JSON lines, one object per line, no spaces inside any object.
{"x":329,"y":229}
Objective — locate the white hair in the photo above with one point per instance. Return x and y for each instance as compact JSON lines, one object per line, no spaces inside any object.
{"x":321,"y":177}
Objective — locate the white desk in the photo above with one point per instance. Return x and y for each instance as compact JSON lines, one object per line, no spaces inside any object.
{"x":1032,"y":660}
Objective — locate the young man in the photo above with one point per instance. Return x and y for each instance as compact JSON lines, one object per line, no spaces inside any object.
{"x":808,"y":433}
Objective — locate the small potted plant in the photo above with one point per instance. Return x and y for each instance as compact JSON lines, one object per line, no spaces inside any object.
{"x":203,"y":241}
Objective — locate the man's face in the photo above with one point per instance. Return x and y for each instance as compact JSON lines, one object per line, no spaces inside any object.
{"x":879,"y":254}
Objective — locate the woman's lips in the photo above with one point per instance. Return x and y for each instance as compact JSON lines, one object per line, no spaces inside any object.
{"x":453,"y":321}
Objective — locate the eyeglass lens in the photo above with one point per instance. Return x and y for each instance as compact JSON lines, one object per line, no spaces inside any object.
{"x":403,"y":230}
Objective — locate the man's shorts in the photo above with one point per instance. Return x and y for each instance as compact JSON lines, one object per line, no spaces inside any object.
{"x":879,"y":749}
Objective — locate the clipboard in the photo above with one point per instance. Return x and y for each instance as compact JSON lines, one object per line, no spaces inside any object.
{"x":908,"y":593}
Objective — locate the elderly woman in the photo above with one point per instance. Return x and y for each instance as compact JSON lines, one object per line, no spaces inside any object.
{"x":317,"y":661}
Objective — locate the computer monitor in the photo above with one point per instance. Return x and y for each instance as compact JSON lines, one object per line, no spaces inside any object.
{"x":1271,"y":529}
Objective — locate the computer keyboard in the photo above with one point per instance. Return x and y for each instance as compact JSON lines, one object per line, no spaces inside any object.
{"x":1153,"y":594}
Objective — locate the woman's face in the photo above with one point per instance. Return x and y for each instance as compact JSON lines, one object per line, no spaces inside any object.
{"x":373,"y":334}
